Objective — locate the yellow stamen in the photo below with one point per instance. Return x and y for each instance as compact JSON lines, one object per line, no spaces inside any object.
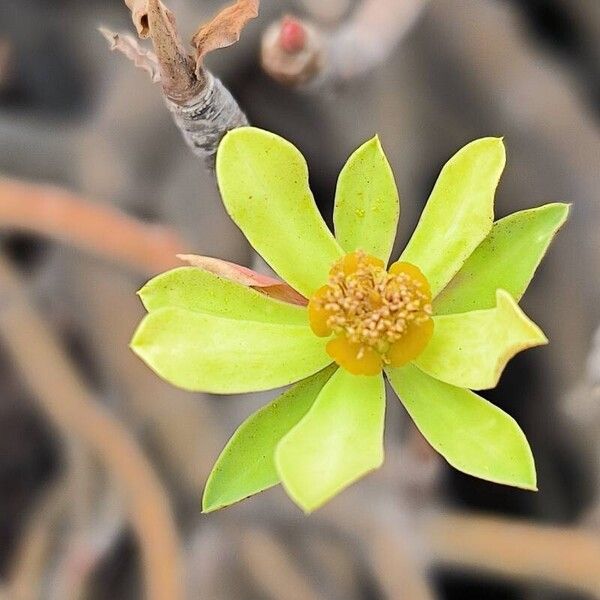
{"x":378,"y":317}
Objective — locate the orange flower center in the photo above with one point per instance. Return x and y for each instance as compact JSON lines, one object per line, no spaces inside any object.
{"x":378,"y":317}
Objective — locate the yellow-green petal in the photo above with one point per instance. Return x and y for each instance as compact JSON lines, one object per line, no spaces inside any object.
{"x":471,"y":349}
{"x":201,"y":352}
{"x":247,"y":464}
{"x":472,"y":434}
{"x":459,"y":213}
{"x":264,"y":184}
{"x":336,"y":443}
{"x":201,"y":291}
{"x":507,"y":259}
{"x":367,"y":206}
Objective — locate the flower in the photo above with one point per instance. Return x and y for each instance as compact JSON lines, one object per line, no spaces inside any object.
{"x":440,"y":322}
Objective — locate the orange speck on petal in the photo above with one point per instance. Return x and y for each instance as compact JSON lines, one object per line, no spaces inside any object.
{"x":355,"y":358}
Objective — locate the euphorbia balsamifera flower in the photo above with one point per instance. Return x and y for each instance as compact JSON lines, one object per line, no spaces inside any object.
{"x":439,"y":322}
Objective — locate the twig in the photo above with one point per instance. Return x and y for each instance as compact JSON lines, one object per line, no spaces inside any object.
{"x":326,"y":12}
{"x":355,"y":48}
{"x":393,"y":562}
{"x":563,"y":557}
{"x":26,"y":574}
{"x":386,"y":538}
{"x":62,"y":395}
{"x":101,"y":230}
{"x":91,"y":537}
{"x":55,"y":519}
{"x":273,"y":569}
{"x":183,"y":432}
{"x":201,"y":106}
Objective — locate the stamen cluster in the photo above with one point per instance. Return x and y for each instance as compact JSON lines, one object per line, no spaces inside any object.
{"x":370,"y":306}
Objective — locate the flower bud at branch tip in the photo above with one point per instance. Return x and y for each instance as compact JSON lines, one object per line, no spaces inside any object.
{"x":292,"y":36}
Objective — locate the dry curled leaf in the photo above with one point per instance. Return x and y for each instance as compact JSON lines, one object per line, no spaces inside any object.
{"x":141,"y":57}
{"x":224,"y":29}
{"x":269,"y":286}
{"x":139,"y":14}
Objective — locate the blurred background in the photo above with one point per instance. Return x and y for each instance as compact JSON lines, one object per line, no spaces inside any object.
{"x":102,"y":465}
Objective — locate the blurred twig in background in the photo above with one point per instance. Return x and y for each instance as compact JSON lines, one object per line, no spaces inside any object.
{"x":568,"y":559}
{"x":63,"y":396}
{"x":100,"y":230}
{"x":324,"y":58}
{"x":326,"y":12}
{"x":25,"y":579}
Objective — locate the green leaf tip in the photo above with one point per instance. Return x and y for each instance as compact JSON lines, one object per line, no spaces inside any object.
{"x":246,"y":466}
{"x":473,"y":435}
{"x":263,"y":181}
{"x":471,"y":350}
{"x":507,"y":259}
{"x":459,"y":213}
{"x":339,"y":441}
{"x":367,"y":206}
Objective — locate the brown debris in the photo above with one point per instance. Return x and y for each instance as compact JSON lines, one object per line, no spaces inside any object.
{"x":224,"y":29}
{"x":139,"y":13}
{"x":270,"y":286}
{"x":182,"y":76}
{"x":177,"y":69}
{"x":141,"y":57}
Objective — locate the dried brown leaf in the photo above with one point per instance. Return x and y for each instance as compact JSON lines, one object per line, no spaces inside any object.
{"x":270,"y":286}
{"x":224,"y":29}
{"x":141,"y":57}
{"x":139,"y":14}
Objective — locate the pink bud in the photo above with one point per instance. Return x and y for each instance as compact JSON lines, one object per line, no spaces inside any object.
{"x":292,"y":37}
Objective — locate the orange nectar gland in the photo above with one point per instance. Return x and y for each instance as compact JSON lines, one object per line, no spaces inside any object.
{"x":378,"y":317}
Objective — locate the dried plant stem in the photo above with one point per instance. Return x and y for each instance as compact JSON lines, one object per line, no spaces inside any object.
{"x":101,"y":230}
{"x":202,"y":107}
{"x":206,"y":117}
{"x":563,"y":557}
{"x":47,"y":371}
